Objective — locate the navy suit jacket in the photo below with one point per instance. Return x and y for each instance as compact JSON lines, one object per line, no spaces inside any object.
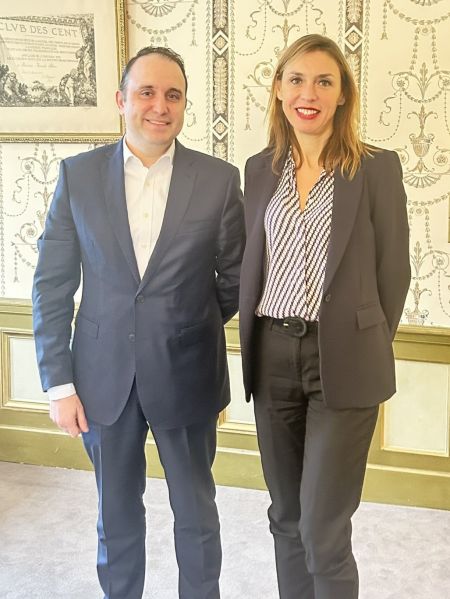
{"x":165,"y":330}
{"x":366,"y":278}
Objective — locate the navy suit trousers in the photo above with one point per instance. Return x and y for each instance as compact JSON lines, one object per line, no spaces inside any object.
{"x":187,"y":454}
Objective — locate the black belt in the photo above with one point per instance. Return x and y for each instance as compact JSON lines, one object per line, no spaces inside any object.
{"x":292,"y":325}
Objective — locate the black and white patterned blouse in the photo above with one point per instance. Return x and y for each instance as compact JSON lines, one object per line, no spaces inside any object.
{"x":296,"y":247}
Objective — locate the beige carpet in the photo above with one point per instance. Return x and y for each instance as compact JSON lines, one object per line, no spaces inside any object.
{"x":48,"y":542}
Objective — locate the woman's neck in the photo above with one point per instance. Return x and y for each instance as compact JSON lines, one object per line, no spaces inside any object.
{"x":312,"y":148}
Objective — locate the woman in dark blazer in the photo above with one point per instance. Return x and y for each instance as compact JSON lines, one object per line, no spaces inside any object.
{"x":323,"y":283}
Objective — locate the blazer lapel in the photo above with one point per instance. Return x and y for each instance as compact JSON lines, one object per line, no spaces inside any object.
{"x":347,"y":195}
{"x":114,"y":188}
{"x":263,"y":186}
{"x":180,"y":193}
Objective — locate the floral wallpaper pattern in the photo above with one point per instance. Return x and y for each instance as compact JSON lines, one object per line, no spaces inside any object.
{"x":399,"y":51}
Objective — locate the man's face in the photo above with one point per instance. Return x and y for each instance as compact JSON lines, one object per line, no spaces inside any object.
{"x":153,"y":105}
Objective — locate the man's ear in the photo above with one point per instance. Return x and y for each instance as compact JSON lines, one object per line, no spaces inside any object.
{"x":120,"y":101}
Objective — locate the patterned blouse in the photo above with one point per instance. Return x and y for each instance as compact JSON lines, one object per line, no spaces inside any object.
{"x":296,"y":247}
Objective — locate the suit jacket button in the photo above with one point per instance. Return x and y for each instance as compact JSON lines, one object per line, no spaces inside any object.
{"x":131,"y":337}
{"x":328,"y":298}
{"x":140,"y":298}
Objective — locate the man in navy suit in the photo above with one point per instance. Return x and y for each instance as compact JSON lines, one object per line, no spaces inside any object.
{"x":155,"y":230}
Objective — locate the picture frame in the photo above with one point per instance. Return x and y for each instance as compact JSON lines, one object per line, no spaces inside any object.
{"x":60,"y":65}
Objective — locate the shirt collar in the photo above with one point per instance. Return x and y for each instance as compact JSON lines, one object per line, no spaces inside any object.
{"x":166,"y":157}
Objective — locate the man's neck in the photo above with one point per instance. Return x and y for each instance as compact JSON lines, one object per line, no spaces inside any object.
{"x":148,"y":159}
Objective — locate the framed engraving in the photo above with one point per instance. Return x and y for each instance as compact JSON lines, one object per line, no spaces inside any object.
{"x":60,"y":66}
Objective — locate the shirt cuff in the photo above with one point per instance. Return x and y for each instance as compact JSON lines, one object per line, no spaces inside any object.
{"x":61,"y":391}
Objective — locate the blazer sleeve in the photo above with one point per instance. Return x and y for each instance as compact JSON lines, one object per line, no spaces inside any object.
{"x":390,"y":222}
{"x":230,"y":248}
{"x":56,"y":279}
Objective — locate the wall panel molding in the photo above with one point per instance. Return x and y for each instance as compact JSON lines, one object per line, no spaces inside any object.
{"x":27,"y":434}
{"x":8,"y":400}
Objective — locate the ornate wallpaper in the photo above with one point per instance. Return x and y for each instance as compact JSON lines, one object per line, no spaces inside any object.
{"x":399,"y":51}
{"x":406,"y":108}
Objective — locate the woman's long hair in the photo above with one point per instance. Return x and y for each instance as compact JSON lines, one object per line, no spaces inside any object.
{"x":344,"y":148}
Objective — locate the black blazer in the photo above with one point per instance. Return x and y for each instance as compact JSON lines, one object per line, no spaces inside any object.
{"x":366,"y":279}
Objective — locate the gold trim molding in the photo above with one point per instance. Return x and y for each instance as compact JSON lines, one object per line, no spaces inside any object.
{"x":422,"y":344}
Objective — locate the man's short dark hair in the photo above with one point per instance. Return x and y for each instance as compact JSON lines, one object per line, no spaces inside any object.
{"x":160,"y":51}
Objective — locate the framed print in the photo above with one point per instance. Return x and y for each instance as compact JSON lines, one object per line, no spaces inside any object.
{"x":60,"y":66}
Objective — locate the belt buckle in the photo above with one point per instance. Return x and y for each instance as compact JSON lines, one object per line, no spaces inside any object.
{"x":298,"y":324}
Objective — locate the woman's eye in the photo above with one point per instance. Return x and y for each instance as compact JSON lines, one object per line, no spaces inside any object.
{"x":325,"y":82}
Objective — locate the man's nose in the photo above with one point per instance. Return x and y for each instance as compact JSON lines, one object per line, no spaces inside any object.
{"x":159,"y":104}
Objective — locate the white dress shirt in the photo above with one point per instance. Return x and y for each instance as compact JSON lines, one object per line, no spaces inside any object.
{"x":146,"y":192}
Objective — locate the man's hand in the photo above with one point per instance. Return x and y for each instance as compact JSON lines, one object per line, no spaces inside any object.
{"x":68,"y":414}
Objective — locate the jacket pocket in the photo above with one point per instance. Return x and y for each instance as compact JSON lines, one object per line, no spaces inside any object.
{"x":193,"y":334}
{"x":370,"y":315}
{"x":86,"y":326}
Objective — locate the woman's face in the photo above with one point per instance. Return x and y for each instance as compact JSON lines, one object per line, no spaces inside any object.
{"x":310,"y":92}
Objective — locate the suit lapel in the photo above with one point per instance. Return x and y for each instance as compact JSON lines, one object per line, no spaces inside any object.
{"x":180,"y":193}
{"x":114,"y":188}
{"x":347,"y":195}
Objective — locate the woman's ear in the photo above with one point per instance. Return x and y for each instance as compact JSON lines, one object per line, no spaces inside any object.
{"x":278,"y":88}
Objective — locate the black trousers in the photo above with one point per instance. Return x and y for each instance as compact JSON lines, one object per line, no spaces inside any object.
{"x":187,"y":454}
{"x":314,"y":461}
